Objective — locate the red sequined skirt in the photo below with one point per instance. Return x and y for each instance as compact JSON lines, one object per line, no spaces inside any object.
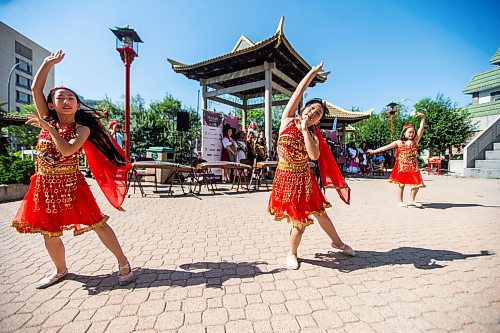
{"x":406,"y":176}
{"x":58,"y":202}
{"x":296,"y":195}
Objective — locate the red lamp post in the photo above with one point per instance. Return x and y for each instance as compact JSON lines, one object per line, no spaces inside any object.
{"x":127,"y":44}
{"x":391,"y":111}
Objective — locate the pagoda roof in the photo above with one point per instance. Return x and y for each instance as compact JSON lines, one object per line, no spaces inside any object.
{"x":496,"y":58}
{"x":247,"y":54}
{"x":7,"y":119}
{"x":345,"y":115}
{"x":483,"y":81}
{"x":484,"y":109}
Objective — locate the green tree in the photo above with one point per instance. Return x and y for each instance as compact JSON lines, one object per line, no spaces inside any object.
{"x":26,"y":135}
{"x":376,"y":130}
{"x":157,"y":126}
{"x":446,"y":124}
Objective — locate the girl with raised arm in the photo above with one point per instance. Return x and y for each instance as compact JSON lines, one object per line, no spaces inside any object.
{"x":296,"y":195}
{"x":406,"y":171}
{"x":59,"y":197}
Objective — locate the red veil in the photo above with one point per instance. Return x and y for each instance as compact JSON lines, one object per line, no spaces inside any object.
{"x":112,"y":179}
{"x":329,"y":170}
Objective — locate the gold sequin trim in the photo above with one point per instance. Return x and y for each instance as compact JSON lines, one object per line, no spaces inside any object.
{"x":401,"y":184}
{"x":300,"y":223}
{"x":25,"y":228}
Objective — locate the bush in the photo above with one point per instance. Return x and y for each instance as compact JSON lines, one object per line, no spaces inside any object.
{"x":15,"y":170}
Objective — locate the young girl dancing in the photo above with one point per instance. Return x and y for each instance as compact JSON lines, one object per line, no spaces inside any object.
{"x":58,"y":197}
{"x":296,"y":195}
{"x":406,"y":171}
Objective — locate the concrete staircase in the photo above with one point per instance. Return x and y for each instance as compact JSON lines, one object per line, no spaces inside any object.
{"x":487,"y":168}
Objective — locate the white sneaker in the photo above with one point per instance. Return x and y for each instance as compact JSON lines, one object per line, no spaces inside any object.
{"x":402,"y":204}
{"x":416,"y":204}
{"x":292,"y":262}
{"x":346,"y":249}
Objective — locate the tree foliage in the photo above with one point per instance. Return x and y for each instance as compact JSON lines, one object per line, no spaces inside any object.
{"x":446,"y":124}
{"x":26,"y":134}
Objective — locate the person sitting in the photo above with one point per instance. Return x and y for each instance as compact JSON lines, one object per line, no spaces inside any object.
{"x":378,"y":164}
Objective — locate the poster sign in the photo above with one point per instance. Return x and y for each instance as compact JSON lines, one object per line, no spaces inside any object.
{"x":211,"y":141}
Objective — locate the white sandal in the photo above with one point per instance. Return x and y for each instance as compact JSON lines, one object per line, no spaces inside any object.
{"x":125,"y":279}
{"x":51,"y":279}
{"x":346,"y":249}
{"x":416,"y":204}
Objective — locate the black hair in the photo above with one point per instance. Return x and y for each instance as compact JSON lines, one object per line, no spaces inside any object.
{"x":403,"y":132}
{"x":99,"y":136}
{"x":225,"y":130}
{"x":323,"y":105}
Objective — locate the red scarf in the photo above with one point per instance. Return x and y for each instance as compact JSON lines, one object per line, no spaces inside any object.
{"x":112,"y":179}
{"x":329,"y":170}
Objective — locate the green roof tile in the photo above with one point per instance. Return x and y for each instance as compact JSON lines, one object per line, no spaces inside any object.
{"x":484,"y":109}
{"x":496,"y":58}
{"x":484,"y":80}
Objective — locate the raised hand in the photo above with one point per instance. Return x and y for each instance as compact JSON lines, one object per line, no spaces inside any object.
{"x":318,"y":67}
{"x":36,"y":121}
{"x":54,"y":58}
{"x":420,"y":114}
{"x":369,"y":151}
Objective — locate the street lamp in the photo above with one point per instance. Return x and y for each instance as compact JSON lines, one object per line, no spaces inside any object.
{"x":8,"y":85}
{"x":391,"y":111}
{"x":127,"y":44}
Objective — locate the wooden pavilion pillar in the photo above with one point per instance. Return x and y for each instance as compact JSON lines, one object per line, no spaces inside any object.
{"x":244,"y":114}
{"x":204,"y":105}
{"x":268,"y":95}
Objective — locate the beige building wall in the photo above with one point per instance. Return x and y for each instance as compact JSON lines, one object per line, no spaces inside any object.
{"x":15,"y":47}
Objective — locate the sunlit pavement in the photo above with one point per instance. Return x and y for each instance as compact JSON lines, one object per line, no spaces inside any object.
{"x":214,"y":263}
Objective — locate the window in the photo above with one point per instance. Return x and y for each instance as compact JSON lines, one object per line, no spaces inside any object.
{"x":24,"y":51}
{"x":495,"y":96}
{"x":22,"y":81}
{"x":23,"y":66}
{"x":23,"y":97}
{"x":475,"y":98}
{"x":18,"y":109}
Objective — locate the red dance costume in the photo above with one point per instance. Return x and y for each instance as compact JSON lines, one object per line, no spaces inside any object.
{"x":58,"y":197}
{"x":296,"y":194}
{"x":406,"y":171}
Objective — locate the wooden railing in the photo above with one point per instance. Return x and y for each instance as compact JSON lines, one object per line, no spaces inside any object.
{"x":482,"y":142}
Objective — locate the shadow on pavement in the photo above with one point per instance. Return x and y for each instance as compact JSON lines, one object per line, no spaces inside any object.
{"x":418,"y":257}
{"x":446,"y":205}
{"x":209,"y":274}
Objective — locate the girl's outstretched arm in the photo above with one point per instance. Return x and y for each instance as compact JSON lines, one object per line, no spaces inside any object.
{"x":66,"y":148}
{"x":40,"y":79}
{"x":391,"y":145}
{"x":293,"y":103}
{"x":421,"y":127}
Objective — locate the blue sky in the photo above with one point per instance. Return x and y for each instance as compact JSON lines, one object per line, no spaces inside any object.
{"x":377,"y":50}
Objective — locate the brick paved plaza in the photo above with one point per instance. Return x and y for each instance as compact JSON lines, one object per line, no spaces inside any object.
{"x":215,"y":264}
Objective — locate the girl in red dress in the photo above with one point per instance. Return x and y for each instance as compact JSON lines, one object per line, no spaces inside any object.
{"x":406,"y":171}
{"x":296,"y":195}
{"x":59,"y":198}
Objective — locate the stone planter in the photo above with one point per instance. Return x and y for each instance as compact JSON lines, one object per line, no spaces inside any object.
{"x":11,"y":192}
{"x":456,"y":166}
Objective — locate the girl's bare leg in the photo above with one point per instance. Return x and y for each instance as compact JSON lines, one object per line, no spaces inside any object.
{"x":413,"y":193}
{"x":327,"y":225}
{"x":108,"y":238}
{"x":401,"y":189}
{"x":55,"y":247}
{"x":295,"y":238}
